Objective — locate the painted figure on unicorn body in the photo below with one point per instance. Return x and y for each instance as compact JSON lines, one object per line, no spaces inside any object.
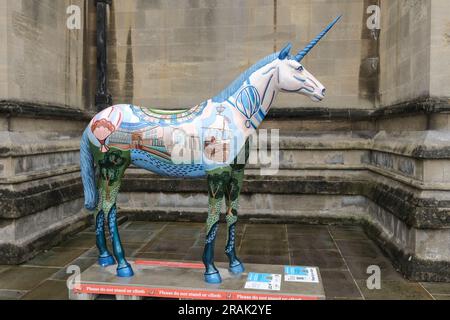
{"x":204,"y":141}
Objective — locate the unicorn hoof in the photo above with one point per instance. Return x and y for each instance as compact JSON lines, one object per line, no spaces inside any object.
{"x":213,"y":278}
{"x":237,"y":269}
{"x":126,"y":271}
{"x":106,"y":261}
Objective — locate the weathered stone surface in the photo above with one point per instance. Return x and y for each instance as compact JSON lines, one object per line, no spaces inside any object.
{"x":44,"y":58}
{"x":404,"y":41}
{"x":200,"y":36}
{"x":408,"y":206}
{"x":32,"y":197}
{"x":412,"y":267}
{"x":16,"y":252}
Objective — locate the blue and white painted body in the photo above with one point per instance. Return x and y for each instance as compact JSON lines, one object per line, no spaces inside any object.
{"x":228,"y":120}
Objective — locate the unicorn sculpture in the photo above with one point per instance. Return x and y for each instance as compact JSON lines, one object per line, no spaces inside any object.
{"x":209,"y":140}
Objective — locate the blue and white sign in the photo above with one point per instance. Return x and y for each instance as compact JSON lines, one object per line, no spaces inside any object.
{"x":263,"y":281}
{"x":300,"y":274}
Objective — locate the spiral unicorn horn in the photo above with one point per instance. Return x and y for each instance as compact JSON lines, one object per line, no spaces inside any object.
{"x":301,"y":54}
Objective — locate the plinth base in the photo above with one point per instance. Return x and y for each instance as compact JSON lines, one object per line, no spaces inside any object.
{"x":184,"y":280}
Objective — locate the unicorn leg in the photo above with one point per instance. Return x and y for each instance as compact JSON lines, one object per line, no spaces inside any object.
{"x":123,"y":267}
{"x":232,"y":201}
{"x":212,"y":275}
{"x":105,"y":258}
{"x":216,"y":184}
{"x":112,"y":167}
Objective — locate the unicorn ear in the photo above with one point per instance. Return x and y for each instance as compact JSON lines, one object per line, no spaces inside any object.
{"x":285,"y":52}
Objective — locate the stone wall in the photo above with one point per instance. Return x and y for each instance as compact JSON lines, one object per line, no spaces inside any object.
{"x":405,"y":50}
{"x":414,"y":38}
{"x":439,"y":48}
{"x":3,"y":56}
{"x":177,"y":53}
{"x":45,"y":98}
{"x":44,"y":58}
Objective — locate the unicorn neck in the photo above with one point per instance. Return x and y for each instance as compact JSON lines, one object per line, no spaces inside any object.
{"x":265,"y":81}
{"x":253,"y":92}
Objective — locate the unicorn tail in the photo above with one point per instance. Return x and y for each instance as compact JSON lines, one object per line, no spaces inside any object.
{"x":88,"y":173}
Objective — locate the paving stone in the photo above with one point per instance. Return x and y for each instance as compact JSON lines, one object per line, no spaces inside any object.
{"x":91,"y":228}
{"x":92,"y":252}
{"x":133,"y":236}
{"x":271,"y":259}
{"x":196,"y":253}
{"x":348,"y":233}
{"x":82,"y":240}
{"x":324,"y":259}
{"x":395,"y":290}
{"x":265,"y":228}
{"x":185,"y":225}
{"x":11,"y":294}
{"x":358,"y":267}
{"x":441,"y":288}
{"x":82,"y":263}
{"x":306,"y":229}
{"x":24,"y":278}
{"x":184,"y":233}
{"x":129,"y":248}
{"x":339,"y":284}
{"x":49,"y":290}
{"x":143,"y":226}
{"x":323,"y":241}
{"x":359,"y":248}
{"x":263,"y":247}
{"x":56,"y":257}
{"x":168,"y":246}
{"x":255,"y":243}
{"x":266,"y":236}
{"x":4,"y":268}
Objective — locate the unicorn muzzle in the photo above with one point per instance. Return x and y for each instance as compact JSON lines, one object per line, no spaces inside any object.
{"x":319,"y":94}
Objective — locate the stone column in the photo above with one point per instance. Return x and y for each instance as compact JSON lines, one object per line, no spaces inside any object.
{"x":44,"y":106}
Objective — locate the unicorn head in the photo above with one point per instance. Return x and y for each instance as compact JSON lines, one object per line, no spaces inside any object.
{"x":292,"y":75}
{"x":254,"y":91}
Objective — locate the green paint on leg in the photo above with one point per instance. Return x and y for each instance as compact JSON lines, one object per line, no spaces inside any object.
{"x":111,"y":168}
{"x":231,"y":219}
{"x":217,"y":180}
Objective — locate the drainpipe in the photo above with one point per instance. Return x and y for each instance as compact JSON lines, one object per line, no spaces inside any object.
{"x":102,"y":98}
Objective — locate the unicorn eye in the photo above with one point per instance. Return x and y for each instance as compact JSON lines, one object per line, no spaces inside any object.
{"x":300,"y":68}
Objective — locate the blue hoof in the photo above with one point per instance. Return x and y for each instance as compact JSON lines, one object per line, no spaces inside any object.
{"x":106,"y":261}
{"x":237,"y":269}
{"x":213,"y":278}
{"x":126,"y":271}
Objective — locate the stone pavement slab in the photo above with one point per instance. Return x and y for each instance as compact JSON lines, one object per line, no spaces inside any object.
{"x":342,"y":253}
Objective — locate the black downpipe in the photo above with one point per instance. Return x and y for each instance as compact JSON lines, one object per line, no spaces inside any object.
{"x":102,"y":98}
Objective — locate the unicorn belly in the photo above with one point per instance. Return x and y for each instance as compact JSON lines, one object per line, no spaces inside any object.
{"x":161,"y":166}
